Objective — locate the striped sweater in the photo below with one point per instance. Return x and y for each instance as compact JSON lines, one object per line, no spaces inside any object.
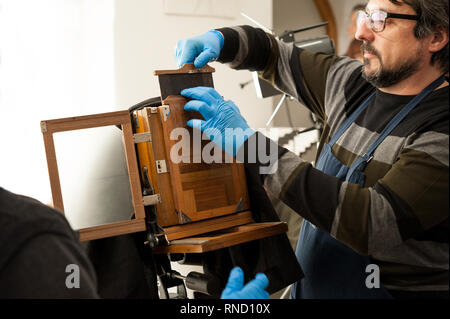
{"x":400,"y":218}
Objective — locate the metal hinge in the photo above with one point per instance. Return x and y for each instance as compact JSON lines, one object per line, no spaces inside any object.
{"x":151,"y":199}
{"x":142,"y":137}
{"x":161,"y":166}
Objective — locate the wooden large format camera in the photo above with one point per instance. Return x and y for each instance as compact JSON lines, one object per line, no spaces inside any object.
{"x":185,"y":205}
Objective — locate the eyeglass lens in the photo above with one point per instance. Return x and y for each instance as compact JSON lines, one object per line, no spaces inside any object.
{"x":375,"y":19}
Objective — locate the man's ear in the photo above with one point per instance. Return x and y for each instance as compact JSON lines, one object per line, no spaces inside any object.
{"x":439,"y":39}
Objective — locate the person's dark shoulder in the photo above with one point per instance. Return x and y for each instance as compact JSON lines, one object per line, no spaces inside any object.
{"x":22,"y":218}
{"x":37,"y":245}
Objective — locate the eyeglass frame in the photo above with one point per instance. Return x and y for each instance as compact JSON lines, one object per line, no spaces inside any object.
{"x":386,"y":16}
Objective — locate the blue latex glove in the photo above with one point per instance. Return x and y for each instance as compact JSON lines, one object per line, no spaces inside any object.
{"x":254,"y":289}
{"x":224,"y":124}
{"x":200,"y":49}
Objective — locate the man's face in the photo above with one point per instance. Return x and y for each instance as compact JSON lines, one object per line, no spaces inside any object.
{"x":393,"y":54}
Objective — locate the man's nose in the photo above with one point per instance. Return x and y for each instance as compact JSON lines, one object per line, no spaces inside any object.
{"x":364,"y":31}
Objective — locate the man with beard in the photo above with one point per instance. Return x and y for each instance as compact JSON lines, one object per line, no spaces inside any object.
{"x":376,"y":203}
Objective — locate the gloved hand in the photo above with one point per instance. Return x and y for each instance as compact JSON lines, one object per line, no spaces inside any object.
{"x":224,"y":124}
{"x":200,"y":49}
{"x":254,"y":289}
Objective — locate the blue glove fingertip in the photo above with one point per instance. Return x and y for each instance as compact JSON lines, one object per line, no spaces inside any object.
{"x":237,"y":271}
{"x":190,"y":123}
{"x":262,"y":280}
{"x":235,"y":279}
{"x":186,"y":92}
{"x":188,"y":106}
{"x":235,"y":274}
{"x":202,"y":59}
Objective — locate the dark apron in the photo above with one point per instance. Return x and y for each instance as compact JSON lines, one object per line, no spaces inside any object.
{"x":333,"y":270}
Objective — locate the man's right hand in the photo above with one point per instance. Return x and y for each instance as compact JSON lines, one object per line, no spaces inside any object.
{"x":200,"y":49}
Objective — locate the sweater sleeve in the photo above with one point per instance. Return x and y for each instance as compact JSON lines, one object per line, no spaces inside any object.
{"x":371,"y":219}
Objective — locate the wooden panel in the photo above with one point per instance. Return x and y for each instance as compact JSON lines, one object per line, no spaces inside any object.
{"x":53,"y":172}
{"x":118,"y":228}
{"x":240,"y":182}
{"x":148,"y":154}
{"x":49,"y":127}
{"x":122,"y":118}
{"x":218,"y":188}
{"x":177,"y":191}
{"x":163,"y":180}
{"x":133,"y":171}
{"x":208,"y":225}
{"x":225,"y":238}
{"x":86,"y":121}
{"x":187,"y":68}
{"x":214,"y":212}
{"x":189,"y":200}
{"x":207,"y":194}
{"x":194,"y":175}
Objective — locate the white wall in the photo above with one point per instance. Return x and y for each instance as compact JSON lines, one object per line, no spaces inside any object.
{"x":342,"y":9}
{"x":55,"y":61}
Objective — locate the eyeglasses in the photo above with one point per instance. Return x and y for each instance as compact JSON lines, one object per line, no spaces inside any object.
{"x":376,"y":19}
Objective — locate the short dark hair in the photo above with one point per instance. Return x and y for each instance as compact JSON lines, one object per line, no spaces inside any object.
{"x":432,"y":13}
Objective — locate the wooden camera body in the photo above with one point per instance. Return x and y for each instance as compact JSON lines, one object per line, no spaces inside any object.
{"x":197,"y":205}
